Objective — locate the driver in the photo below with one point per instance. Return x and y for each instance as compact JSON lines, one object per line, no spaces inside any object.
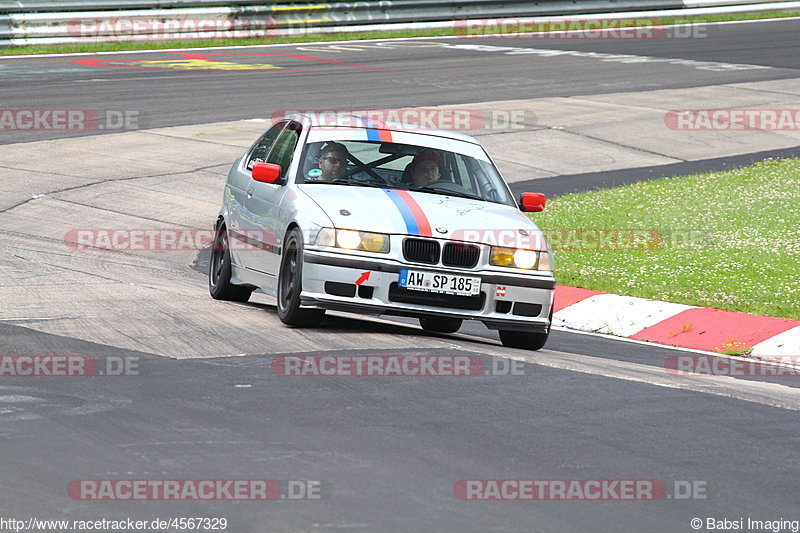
{"x":333,"y":161}
{"x":426,"y":168}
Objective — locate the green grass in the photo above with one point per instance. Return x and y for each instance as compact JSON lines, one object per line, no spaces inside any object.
{"x":736,"y":348}
{"x":729,"y":240}
{"x":204,"y":43}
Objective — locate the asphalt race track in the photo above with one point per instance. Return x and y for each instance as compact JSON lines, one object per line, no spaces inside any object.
{"x":201,"y":399}
{"x":391,"y":75}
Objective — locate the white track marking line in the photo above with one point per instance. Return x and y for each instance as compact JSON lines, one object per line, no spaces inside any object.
{"x":396,"y":39}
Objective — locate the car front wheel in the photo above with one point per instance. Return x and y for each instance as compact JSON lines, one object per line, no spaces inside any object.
{"x":290,"y":285}
{"x":523,"y":339}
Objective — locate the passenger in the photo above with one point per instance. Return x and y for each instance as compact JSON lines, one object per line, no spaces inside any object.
{"x":426,"y":168}
{"x":333,"y":161}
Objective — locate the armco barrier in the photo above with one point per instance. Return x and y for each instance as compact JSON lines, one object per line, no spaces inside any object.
{"x":65,"y":21}
{"x":383,"y":10}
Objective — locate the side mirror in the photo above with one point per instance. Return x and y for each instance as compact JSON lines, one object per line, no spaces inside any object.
{"x":532,"y":201}
{"x":266,"y":172}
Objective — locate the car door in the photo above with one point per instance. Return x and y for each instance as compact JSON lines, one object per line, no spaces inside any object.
{"x":263,"y":200}
{"x":240,"y":180}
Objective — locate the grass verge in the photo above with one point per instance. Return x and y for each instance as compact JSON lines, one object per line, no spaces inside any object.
{"x":311,"y":37}
{"x":728,"y":240}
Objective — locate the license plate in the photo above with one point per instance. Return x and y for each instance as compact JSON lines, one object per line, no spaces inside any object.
{"x":443,"y":283}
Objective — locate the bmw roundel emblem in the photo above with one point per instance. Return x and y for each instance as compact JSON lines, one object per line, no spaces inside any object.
{"x":441,"y":229}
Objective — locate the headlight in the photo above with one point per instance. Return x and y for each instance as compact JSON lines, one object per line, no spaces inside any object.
{"x":348,"y":239}
{"x":353,"y":240}
{"x":545,"y":261}
{"x":503,"y":257}
{"x":525,"y":259}
{"x":375,"y":242}
{"x":519,"y":258}
{"x":326,"y":237}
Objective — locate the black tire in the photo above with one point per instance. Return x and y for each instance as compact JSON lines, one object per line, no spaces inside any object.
{"x":523,"y":339}
{"x":219,"y":271}
{"x":290,"y":285}
{"x":440,"y":325}
{"x":526,"y":339}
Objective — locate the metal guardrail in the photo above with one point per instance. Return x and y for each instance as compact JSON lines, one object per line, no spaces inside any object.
{"x":54,"y":6}
{"x":63,"y":21}
{"x":31,"y":6}
{"x":273,"y":19}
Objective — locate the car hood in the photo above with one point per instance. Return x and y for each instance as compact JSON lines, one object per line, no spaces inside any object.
{"x":418,"y":213}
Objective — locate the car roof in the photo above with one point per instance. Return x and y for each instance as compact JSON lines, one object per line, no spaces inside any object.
{"x":341,"y":120}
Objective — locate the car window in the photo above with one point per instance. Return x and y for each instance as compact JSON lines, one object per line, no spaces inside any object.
{"x":259,"y":152}
{"x":283,"y":150}
{"x":389,"y":164}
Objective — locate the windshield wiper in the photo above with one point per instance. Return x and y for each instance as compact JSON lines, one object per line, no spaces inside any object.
{"x":329,"y":182}
{"x":348,"y":182}
{"x":434,"y":190}
{"x":369,"y":184}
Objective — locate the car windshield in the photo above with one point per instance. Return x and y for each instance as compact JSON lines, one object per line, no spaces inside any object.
{"x":403,"y":166}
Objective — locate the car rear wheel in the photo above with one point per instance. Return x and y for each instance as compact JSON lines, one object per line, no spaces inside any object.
{"x":440,"y":325}
{"x":219,"y":271}
{"x":290,"y":285}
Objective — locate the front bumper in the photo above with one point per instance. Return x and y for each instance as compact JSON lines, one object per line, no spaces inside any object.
{"x":508,"y":301}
